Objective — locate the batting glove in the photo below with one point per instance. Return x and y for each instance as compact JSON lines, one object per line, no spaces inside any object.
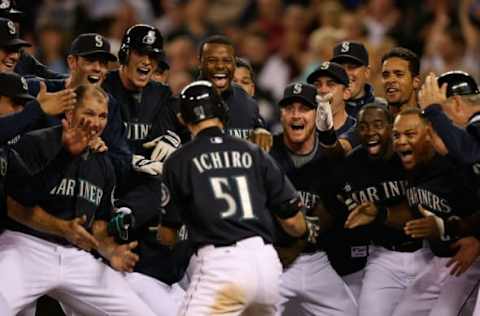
{"x":151,"y":167}
{"x":324,"y":117}
{"x":164,"y":145}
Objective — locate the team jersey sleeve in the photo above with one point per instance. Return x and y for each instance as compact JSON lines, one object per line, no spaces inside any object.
{"x":171,"y":198}
{"x":18,"y":123}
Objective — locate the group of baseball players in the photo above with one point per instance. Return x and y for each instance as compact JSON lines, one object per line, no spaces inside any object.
{"x":119,"y":198}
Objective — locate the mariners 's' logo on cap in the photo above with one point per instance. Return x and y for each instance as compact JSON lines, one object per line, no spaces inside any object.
{"x":150,"y":38}
{"x":24,"y":83}
{"x":98,"y":41}
{"x":325,"y":65}
{"x":297,"y":88}
{"x":5,"y":4}
{"x":11,"y":27}
{"x":345,"y":47}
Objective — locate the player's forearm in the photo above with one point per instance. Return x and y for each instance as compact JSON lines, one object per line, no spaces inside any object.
{"x":167,"y":235}
{"x":294,"y":226}
{"x":36,"y":218}
{"x":106,"y":243}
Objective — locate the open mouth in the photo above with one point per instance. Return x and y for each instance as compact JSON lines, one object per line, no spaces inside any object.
{"x":9,"y":64}
{"x":143,"y":72}
{"x":297,"y":126}
{"x":93,"y":79}
{"x":406,"y":156}
{"x":391,"y":91}
{"x":374,"y":147}
{"x":220,"y":80}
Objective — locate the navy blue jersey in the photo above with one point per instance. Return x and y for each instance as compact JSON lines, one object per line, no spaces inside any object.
{"x":354,"y":106}
{"x":223,"y":189}
{"x":67,"y":188}
{"x":114,"y":134}
{"x":139,"y":110}
{"x":348,"y":131}
{"x":445,"y":189}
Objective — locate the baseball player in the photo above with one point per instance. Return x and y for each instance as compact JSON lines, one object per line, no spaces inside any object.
{"x":10,"y":45}
{"x":353,"y":57}
{"x":58,"y":216}
{"x":440,"y":190}
{"x":309,"y":284}
{"x":373,"y":177}
{"x":217,"y":65}
{"x":244,"y":76}
{"x":236,"y":271}
{"x":400,"y":78}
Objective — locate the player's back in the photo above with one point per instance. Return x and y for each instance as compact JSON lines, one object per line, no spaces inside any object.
{"x":223,"y":186}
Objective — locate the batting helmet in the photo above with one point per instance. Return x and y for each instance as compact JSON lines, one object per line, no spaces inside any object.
{"x":200,"y":101}
{"x":458,"y":83}
{"x":7,"y":10}
{"x":142,"y":37}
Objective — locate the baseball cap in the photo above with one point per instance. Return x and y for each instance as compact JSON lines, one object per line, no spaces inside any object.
{"x":330,"y":69}
{"x":458,"y":83}
{"x":301,"y":92}
{"x":91,"y":43}
{"x":350,"y":52}
{"x":7,"y":10}
{"x":9,"y":35}
{"x":14,"y":86}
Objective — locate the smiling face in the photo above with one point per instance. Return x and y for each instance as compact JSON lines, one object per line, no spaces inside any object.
{"x":136,"y":74}
{"x":243,"y":78}
{"x":298,"y":121}
{"x":358,"y":76}
{"x":9,"y":58}
{"x":340,"y":93}
{"x":374,"y":130}
{"x":411,"y":140}
{"x":94,"y":109}
{"x":218,"y":64}
{"x":398,"y":83}
{"x":90,"y":69}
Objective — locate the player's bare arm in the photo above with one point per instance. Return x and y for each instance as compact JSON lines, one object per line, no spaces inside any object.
{"x":39,"y":219}
{"x":121,"y":257}
{"x":167,"y":235}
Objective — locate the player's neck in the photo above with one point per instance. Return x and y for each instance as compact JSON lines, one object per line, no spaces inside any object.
{"x":198,"y":127}
{"x":339,"y":118}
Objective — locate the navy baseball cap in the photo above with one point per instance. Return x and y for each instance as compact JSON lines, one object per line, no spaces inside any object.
{"x":92,"y":44}
{"x":329,"y":69}
{"x":350,"y":52}
{"x":299,"y":92}
{"x":14,"y":86}
{"x":7,"y":10}
{"x":9,"y":37}
{"x":458,"y":83}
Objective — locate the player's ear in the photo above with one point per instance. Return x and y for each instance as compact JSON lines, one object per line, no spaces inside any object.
{"x":347,"y":93}
{"x":72,"y":62}
{"x":417,"y":83}
{"x":367,"y":72}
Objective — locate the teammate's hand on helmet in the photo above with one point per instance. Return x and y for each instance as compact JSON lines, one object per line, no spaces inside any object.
{"x":57,"y":102}
{"x":362,"y":214}
{"x":98,"y":145}
{"x":122,"y":258}
{"x":429,"y":227}
{"x":151,"y":167}
{"x":77,"y":235}
{"x":163,"y":146}
{"x":262,"y":138}
{"x":323,"y":116}
{"x":431,"y":93}
{"x":467,"y":251}
{"x":75,"y":138}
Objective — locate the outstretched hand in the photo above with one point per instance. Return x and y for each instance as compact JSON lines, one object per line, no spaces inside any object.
{"x":77,"y":137}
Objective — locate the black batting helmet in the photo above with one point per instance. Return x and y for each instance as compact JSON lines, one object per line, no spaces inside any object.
{"x":144,"y":38}
{"x":458,"y":83}
{"x":200,"y":101}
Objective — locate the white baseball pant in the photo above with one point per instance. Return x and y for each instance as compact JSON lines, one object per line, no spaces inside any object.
{"x":4,"y":309}
{"x":31,"y":267}
{"x":388,"y":274}
{"x":354,"y":282}
{"x":242,"y":279}
{"x":310,"y":286}
{"x":436,"y":293}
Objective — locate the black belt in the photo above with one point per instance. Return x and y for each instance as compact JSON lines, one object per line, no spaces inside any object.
{"x":409,"y":246}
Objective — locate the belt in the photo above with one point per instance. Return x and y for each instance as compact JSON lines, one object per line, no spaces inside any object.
{"x":250,"y":242}
{"x":409,"y":246}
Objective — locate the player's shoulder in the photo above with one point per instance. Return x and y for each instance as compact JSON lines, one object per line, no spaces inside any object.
{"x":157,"y":88}
{"x":240,"y":95}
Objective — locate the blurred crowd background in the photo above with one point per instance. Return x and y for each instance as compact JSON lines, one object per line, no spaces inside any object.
{"x":283,"y":40}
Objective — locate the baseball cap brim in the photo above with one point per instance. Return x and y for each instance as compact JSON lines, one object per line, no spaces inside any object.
{"x":340,"y":59}
{"x":16,"y":42}
{"x":296,"y":98}
{"x":319,"y":72}
{"x":107,"y":55}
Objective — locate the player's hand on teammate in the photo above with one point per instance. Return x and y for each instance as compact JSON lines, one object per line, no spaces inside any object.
{"x":363,"y":214}
{"x":431,"y":93}
{"x":429,"y":227}
{"x":467,"y":251}
{"x":77,"y":235}
{"x":98,"y":145}
{"x":163,"y":146}
{"x":122,"y":258}
{"x":151,"y":167}
{"x":262,"y":138}
{"x":77,"y":137}
{"x":57,"y":102}
{"x":323,"y":116}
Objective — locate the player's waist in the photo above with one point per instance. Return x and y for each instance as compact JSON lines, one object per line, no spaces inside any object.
{"x":247,"y":243}
{"x":406,"y":246}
